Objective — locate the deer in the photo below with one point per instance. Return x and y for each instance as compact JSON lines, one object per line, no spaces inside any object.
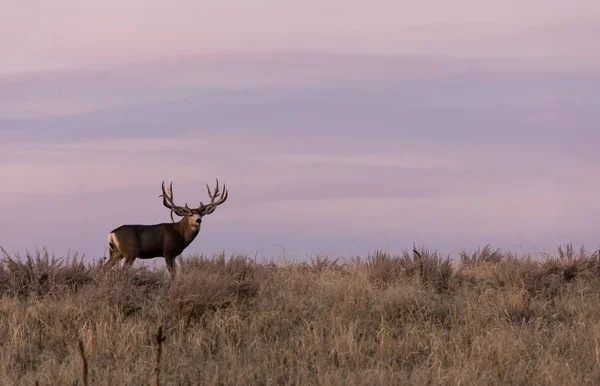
{"x":166,"y":240}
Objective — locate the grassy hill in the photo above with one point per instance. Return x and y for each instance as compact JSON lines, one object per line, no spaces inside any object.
{"x":493,"y":318}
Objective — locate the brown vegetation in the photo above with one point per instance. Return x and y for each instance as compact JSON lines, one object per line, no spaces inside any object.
{"x":415,"y":318}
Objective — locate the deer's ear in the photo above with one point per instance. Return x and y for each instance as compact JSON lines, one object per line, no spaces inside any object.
{"x":209,"y":210}
{"x":179,"y":211}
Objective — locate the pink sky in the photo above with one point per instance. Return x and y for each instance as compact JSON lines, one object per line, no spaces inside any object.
{"x":70,"y":34}
{"x":338,"y":130}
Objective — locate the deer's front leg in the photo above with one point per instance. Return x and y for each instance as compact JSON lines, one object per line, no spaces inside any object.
{"x":170,"y":261}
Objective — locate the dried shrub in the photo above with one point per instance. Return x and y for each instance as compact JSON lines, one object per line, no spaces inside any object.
{"x":399,"y":304}
{"x":384,"y":268}
{"x":432,"y":269}
{"x":321,"y":264}
{"x":485,"y":255}
{"x":237,"y":267}
{"x":126,"y":290}
{"x":208,"y":284}
{"x":41,"y":274}
{"x":571,"y":265}
{"x":435,"y":270}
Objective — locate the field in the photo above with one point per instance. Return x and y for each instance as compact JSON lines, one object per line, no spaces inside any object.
{"x":491,"y":318}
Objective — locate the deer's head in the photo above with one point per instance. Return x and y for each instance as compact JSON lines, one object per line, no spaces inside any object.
{"x":192,"y":217}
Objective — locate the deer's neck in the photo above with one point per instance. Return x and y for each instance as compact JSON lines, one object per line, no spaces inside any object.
{"x":187,"y":232}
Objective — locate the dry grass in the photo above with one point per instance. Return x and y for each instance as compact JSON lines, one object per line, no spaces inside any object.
{"x":415,"y":318}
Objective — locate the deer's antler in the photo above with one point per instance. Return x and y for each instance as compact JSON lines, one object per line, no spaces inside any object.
{"x":169,"y":203}
{"x":208,"y":209}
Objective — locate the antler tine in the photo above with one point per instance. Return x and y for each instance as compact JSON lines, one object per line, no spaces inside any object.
{"x":222,"y":195}
{"x":168,"y":198}
{"x":224,"y":191}
{"x":214,"y":193}
{"x":164,"y":193}
{"x":169,"y":203}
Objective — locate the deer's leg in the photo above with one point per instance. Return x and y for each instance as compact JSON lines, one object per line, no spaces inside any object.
{"x":115,"y":257}
{"x":129,"y":259}
{"x":170,"y":261}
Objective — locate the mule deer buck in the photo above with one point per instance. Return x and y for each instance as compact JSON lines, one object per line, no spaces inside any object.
{"x":166,"y":240}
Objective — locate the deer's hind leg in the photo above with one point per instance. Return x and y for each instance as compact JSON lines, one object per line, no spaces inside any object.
{"x":130,"y":257}
{"x":115,"y":258}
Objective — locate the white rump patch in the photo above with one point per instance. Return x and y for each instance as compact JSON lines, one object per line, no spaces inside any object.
{"x":112,"y":239}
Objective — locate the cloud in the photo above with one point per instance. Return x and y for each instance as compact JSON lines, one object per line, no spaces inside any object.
{"x":359,"y":98}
